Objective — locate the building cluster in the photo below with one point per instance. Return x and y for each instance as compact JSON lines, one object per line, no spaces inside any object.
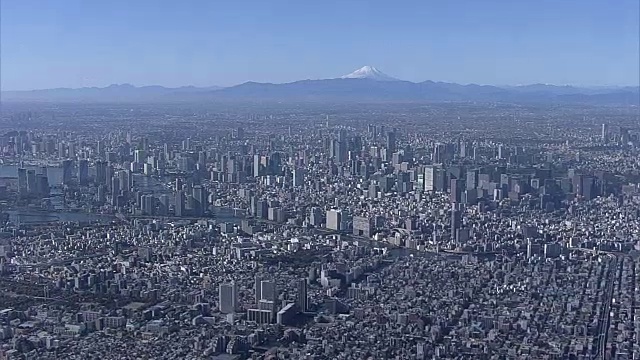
{"x":449,"y":233}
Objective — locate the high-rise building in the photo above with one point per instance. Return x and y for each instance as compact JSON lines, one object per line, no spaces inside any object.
{"x":83,"y":172}
{"x":67,"y":171}
{"x":605,"y":133}
{"x":455,"y":222}
{"x":115,"y":190}
{"x":257,"y":165}
{"x":391,"y":142}
{"x":200,"y":197}
{"x":456,"y":191}
{"x":125,"y":184}
{"x":334,"y":218}
{"x":32,"y":186}
{"x":268,"y":290}
{"x":315,"y":218}
{"x":429,"y":178}
{"x":139,"y":156}
{"x":302,"y":299}
{"x":179,"y":206}
{"x":42,"y":185}
{"x":22,"y":181}
{"x":228,"y":298}
{"x":472,"y":179}
{"x":298,"y":177}
{"x":258,"y":289}
{"x":101,"y":172}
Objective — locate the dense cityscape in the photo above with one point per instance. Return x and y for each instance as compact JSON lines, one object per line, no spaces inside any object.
{"x":317,"y":231}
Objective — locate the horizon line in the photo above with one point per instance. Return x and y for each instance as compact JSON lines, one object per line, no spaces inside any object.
{"x":309,"y":79}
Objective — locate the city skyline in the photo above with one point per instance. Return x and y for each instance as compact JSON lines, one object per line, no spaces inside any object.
{"x":168,"y":44}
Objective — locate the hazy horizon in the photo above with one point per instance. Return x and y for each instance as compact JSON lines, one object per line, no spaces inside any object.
{"x":75,"y":44}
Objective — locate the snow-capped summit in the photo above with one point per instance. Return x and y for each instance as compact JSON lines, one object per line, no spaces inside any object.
{"x":369,"y":72}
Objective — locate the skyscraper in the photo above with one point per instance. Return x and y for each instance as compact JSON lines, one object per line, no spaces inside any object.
{"x":67,"y":171}
{"x":334,"y":218}
{"x":298,"y":177}
{"x":228,"y":298}
{"x":83,"y":172}
{"x":22,"y":181}
{"x":429,"y":178}
{"x":455,"y":222}
{"x":605,"y":133}
{"x":101,"y":172}
{"x":179,"y":207}
{"x":456,"y":191}
{"x":302,"y":299}
{"x":268,"y":290}
{"x":391,"y":142}
{"x":32,"y":187}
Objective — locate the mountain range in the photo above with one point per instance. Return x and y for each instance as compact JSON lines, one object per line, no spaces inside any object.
{"x":366,"y":84}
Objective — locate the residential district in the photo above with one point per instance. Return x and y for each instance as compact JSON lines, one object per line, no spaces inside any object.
{"x":447,"y":231}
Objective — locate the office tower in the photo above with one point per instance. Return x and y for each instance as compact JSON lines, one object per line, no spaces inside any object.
{"x":202,"y":160}
{"x":109,"y":171}
{"x":429,"y":178}
{"x":125,"y":183}
{"x":62,"y":151}
{"x":139,"y":156}
{"x":200,"y":197}
{"x":148,"y":204}
{"x":501,"y":152}
{"x":22,"y":181}
{"x":257,"y":165}
{"x":228,"y":298}
{"x":102,"y":194}
{"x":438,"y":153}
{"x":391,"y":142}
{"x":605,"y":133}
{"x":268,"y":290}
{"x":298,"y":177}
{"x":455,"y":222}
{"x":239,"y":133}
{"x":67,"y":171}
{"x":72,"y":150}
{"x":179,"y":206}
{"x":258,"y":289}
{"x":334,"y":218}
{"x":315,"y":219}
{"x":456,"y":191}
{"x":31,"y":182}
{"x":163,"y":205}
{"x":101,"y":172}
{"x":472,"y":179}
{"x":342,"y":135}
{"x":262,"y":209}
{"x":302,"y":299}
{"x":464,"y":149}
{"x":165,"y":151}
{"x":99,"y":148}
{"x":42,"y":184}
{"x":115,"y":190}
{"x":83,"y":172}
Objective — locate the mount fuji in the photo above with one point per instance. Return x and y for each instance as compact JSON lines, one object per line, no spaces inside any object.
{"x":369,"y":72}
{"x":365,"y":85}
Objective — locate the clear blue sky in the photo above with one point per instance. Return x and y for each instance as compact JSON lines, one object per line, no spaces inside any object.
{"x":74,"y":43}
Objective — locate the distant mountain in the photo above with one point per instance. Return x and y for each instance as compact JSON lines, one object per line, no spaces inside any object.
{"x":366,"y":84}
{"x":369,"y":85}
{"x":114,"y":92}
{"x":369,"y":72}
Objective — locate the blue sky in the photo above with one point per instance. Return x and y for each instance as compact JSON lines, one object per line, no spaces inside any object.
{"x":74,"y":43}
